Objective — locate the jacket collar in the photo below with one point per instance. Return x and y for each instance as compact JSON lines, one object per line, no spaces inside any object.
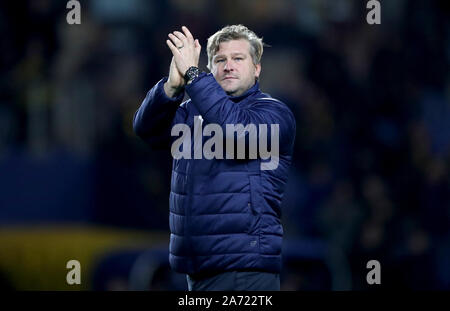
{"x":253,"y":90}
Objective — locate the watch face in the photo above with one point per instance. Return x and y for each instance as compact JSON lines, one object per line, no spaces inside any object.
{"x":191,"y":73}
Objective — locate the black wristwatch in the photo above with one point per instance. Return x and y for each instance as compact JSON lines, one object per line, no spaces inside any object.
{"x":191,"y":74}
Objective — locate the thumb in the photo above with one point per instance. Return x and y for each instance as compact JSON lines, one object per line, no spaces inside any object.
{"x":197,"y":45}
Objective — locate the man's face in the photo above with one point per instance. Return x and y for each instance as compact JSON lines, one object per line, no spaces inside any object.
{"x":233,"y":68}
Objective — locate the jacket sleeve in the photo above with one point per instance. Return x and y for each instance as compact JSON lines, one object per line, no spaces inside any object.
{"x":216,"y":107}
{"x":153,"y":120}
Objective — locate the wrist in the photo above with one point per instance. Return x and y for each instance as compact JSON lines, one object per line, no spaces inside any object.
{"x":172,"y":91}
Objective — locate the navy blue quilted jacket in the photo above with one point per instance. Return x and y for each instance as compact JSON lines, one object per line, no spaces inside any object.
{"x":225,"y":214}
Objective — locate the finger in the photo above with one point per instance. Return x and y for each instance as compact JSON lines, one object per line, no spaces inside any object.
{"x":177,"y":42}
{"x":198,"y":47}
{"x":180,"y":36}
{"x":187,"y":33}
{"x":172,"y":47}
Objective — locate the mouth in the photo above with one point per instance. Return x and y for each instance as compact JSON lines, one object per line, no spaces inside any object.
{"x":229,"y":78}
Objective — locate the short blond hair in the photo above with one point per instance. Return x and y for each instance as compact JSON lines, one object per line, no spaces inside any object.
{"x":235,"y":32}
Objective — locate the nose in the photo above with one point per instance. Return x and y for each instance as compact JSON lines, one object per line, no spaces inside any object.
{"x":227,"y":67}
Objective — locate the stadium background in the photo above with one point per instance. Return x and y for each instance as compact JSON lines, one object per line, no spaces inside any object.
{"x":370,"y":178}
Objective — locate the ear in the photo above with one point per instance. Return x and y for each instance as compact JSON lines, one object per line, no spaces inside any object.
{"x":257,"y":70}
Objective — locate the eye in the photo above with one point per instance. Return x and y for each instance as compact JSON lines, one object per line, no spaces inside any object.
{"x":238,"y":58}
{"x":219,"y":60}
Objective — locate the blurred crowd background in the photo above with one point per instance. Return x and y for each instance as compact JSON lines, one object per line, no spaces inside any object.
{"x":370,"y":177}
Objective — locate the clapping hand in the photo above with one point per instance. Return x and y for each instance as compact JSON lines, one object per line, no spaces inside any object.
{"x":186,"y":53}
